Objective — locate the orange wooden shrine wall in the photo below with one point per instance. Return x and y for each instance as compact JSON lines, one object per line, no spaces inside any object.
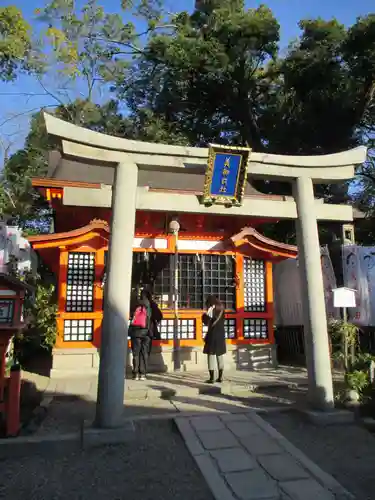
{"x":96,"y":244}
{"x":150,"y":225}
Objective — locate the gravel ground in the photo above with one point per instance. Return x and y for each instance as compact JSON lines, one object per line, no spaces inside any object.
{"x":158,"y":467}
{"x":347,"y":452}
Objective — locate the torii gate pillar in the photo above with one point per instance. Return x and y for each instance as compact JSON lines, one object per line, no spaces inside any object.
{"x":113,"y":351}
{"x":318,"y":360}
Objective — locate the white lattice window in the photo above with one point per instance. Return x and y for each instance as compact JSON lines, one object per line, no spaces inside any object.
{"x":186,"y":329}
{"x":78,"y":330}
{"x":255,"y":329}
{"x":254,"y":285}
{"x":80,"y":282}
{"x":230,"y":328}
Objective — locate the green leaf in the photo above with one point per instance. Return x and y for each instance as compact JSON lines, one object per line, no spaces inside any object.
{"x":15,"y":40}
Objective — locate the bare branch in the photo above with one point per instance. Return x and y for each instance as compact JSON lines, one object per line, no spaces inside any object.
{"x":10,"y":197}
{"x":29,"y":94}
{"x":5,"y":147}
{"x":24,"y":113}
{"x":130,"y":45}
{"x":57,"y":99}
{"x":62,"y":103}
{"x":149,"y":30}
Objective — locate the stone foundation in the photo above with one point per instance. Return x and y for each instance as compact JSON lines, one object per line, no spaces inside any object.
{"x":242,"y":357}
{"x":74,"y":361}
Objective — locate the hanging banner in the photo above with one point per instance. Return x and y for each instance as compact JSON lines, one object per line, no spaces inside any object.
{"x":288,"y":296}
{"x":359,"y":274}
{"x":226,"y":175}
{"x":329,"y":283}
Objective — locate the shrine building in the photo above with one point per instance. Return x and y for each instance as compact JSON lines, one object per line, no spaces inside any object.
{"x":216,"y":256}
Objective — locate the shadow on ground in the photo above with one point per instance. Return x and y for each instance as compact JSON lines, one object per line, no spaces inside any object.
{"x":72,"y":400}
{"x":155,"y":466}
{"x":67,"y":411}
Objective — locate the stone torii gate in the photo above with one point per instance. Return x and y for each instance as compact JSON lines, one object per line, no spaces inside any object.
{"x":101,"y":155}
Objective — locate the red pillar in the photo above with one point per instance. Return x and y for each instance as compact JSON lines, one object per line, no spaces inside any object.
{"x":13,"y":402}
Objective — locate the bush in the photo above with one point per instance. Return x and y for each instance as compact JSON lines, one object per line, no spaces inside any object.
{"x":40,"y":315}
{"x":363,"y":361}
{"x":357,"y":380}
{"x":344,"y":338}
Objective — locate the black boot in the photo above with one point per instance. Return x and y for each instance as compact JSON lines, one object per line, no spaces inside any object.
{"x":212,"y":377}
{"x":220,"y":377}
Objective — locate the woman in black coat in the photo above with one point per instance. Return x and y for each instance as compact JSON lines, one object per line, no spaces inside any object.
{"x":214,"y":342}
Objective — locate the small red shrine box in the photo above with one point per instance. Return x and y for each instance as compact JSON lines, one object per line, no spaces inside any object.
{"x":12,"y":294}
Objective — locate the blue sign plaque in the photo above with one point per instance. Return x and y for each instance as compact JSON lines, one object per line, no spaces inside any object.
{"x":226,"y":175}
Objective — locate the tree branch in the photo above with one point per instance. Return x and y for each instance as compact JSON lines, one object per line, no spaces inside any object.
{"x":130,"y":45}
{"x":24,"y":113}
{"x":28,"y":94}
{"x":62,"y":103}
{"x":149,"y":30}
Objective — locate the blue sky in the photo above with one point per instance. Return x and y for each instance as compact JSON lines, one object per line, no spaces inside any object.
{"x":16,"y":106}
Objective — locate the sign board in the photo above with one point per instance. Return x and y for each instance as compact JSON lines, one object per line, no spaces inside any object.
{"x":226,"y":175}
{"x":344,"y":297}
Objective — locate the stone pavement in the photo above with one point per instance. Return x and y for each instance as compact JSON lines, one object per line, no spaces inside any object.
{"x":239,"y":454}
{"x":164,"y":384}
{"x":169,"y":385}
{"x":347,"y":452}
{"x":242,"y":457}
{"x":71,"y":400}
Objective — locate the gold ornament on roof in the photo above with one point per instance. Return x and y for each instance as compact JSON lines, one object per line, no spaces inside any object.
{"x":99,"y":222}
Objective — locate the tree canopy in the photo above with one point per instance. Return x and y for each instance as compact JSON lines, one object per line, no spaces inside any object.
{"x":15,"y":40}
{"x":216,"y":74}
